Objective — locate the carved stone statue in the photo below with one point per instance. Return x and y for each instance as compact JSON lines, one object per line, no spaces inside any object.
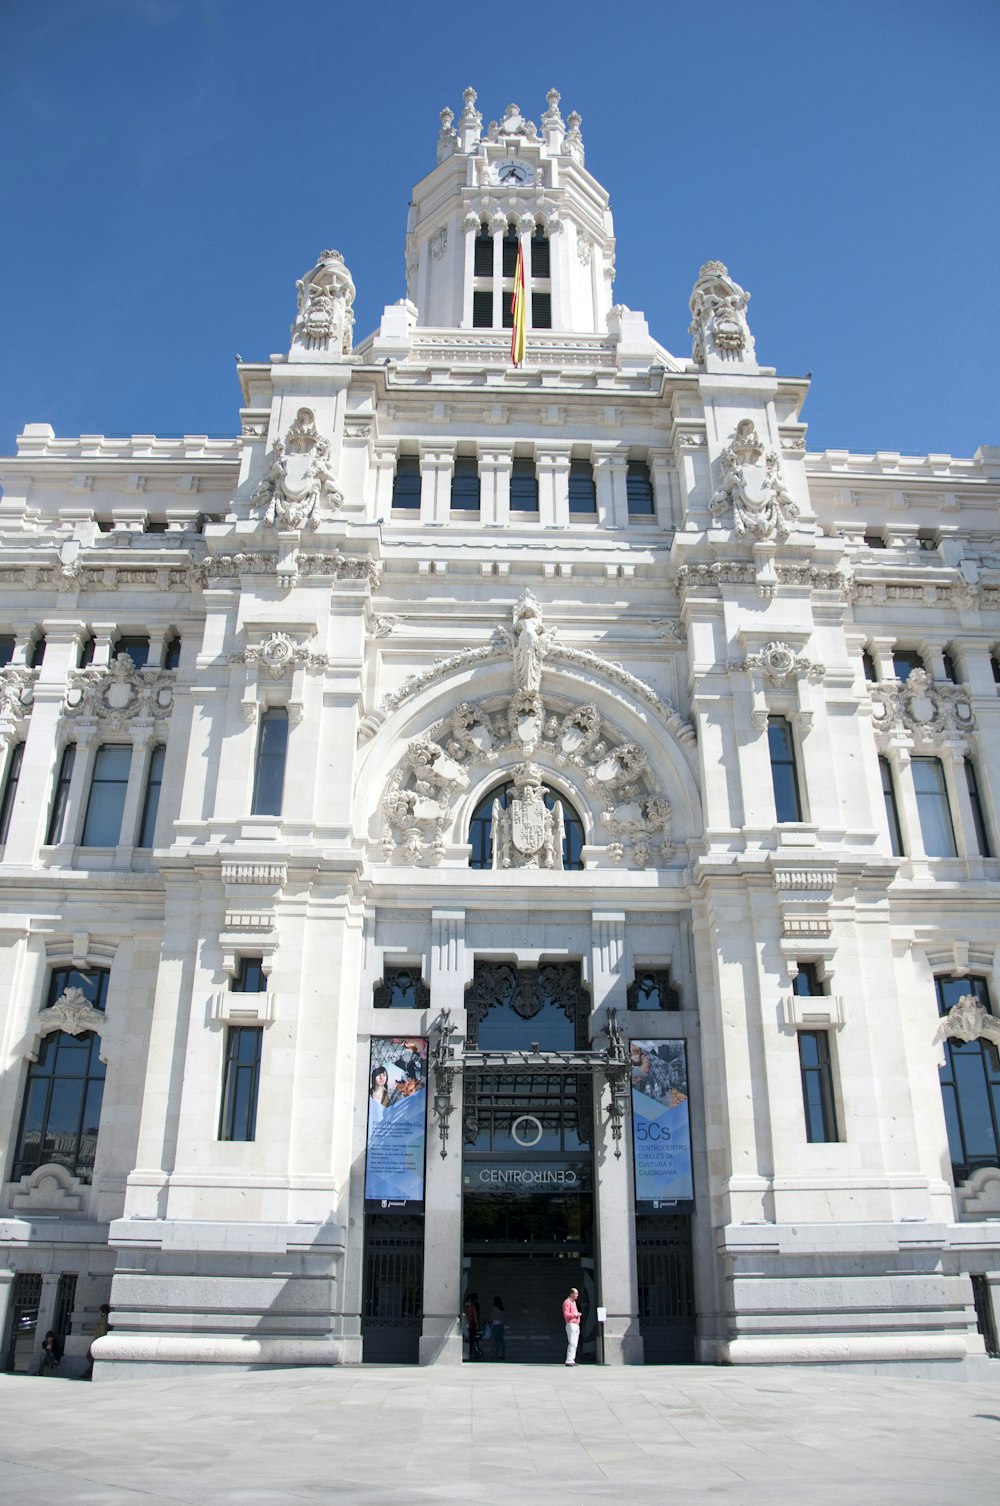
{"x":969,"y":1021}
{"x":326,"y":294}
{"x":718,"y":317}
{"x":299,"y":479}
{"x":527,"y":834}
{"x":752,"y":486}
{"x":531,"y":642}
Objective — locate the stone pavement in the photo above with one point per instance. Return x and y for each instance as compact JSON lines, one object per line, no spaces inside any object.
{"x":497,"y":1434}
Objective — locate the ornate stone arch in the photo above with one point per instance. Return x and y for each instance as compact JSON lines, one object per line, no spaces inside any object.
{"x":561,"y":726}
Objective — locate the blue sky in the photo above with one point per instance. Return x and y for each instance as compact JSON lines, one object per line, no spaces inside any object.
{"x":171,"y":166}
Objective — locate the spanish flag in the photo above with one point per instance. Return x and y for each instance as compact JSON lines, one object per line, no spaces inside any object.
{"x":518,"y":308}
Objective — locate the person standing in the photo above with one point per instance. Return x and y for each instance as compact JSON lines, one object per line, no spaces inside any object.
{"x":571,"y":1318}
{"x":472,"y":1323}
{"x":497,"y":1321}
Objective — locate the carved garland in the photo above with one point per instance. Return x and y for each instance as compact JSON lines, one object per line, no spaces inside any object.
{"x":921,"y":709}
{"x":121,"y":693}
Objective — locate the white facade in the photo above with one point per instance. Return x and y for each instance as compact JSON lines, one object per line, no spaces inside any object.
{"x":727,"y":591}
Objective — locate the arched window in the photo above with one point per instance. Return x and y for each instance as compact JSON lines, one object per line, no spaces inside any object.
{"x":481,"y":827}
{"x":970,"y":1086}
{"x":65,"y":1088}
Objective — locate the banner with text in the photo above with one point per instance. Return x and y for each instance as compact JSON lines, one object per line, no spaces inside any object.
{"x":397,"y":1123}
{"x":661,"y":1128}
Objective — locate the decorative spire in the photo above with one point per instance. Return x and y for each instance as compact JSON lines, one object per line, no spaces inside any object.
{"x":553,"y":126}
{"x":471,"y":123}
{"x":448,"y":136}
{"x":573,"y":145}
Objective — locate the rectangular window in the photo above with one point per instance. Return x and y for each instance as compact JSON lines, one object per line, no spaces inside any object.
{"x":36,"y":657}
{"x":541,"y":262}
{"x":60,"y":796}
{"x":806,"y":984}
{"x":639,"y":490}
{"x":891,"y":809}
{"x":172,"y":652}
{"x":482,"y":264}
{"x":10,"y":788}
{"x":582,"y":490}
{"x":250,"y":977}
{"x":151,"y":799}
{"x":269,"y":769}
{"x":541,"y":310}
{"x":102,"y":825}
{"x":950,"y":667}
{"x":978,"y":814}
{"x":406,"y":482}
{"x":905,"y":661}
{"x":511,"y":242}
{"x":465,"y":484}
{"x":85,"y":656}
{"x":238,"y":1120}
{"x":868,"y":665}
{"x":482,"y":310}
{"x":817,"y":1086}
{"x":936,"y":826}
{"x":970,"y":1085}
{"x":136,"y":648}
{"x":523,"y":487}
{"x":787,"y":806}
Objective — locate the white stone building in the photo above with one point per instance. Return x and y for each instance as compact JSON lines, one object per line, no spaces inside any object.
{"x":517,"y":720}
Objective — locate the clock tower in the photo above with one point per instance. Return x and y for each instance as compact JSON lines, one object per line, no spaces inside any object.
{"x":511,"y":185}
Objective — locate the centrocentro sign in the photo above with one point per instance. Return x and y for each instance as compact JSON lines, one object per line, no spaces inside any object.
{"x":529,"y":1179}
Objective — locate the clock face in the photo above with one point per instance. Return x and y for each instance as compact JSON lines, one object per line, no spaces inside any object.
{"x":513,"y":172}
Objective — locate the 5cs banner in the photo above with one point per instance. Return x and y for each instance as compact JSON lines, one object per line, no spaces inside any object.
{"x":661,"y":1129}
{"x":397,"y":1123}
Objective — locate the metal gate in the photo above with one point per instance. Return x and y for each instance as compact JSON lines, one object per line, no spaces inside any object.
{"x":666,"y":1288}
{"x":984,"y":1314}
{"x":25,"y":1300}
{"x":392,"y":1309}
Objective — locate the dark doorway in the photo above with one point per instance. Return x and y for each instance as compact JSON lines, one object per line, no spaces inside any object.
{"x":666,"y":1288}
{"x":25,"y":1300}
{"x":392,"y":1307}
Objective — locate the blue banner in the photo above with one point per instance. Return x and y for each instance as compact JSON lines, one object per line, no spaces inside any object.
{"x":661,"y":1127}
{"x":397,"y":1123}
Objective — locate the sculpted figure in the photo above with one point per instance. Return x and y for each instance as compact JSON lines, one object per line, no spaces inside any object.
{"x":325,"y":296}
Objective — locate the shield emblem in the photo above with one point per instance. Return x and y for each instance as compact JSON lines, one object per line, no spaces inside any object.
{"x":297,"y":480}
{"x":754,"y":483}
{"x":527,"y":825}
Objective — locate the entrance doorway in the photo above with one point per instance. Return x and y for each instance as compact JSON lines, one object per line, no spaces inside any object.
{"x":528,"y":1183}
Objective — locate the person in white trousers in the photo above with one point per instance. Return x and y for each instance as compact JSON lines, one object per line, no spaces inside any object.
{"x":571,"y":1318}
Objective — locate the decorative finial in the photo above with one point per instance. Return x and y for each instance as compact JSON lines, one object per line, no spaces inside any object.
{"x":573,"y":145}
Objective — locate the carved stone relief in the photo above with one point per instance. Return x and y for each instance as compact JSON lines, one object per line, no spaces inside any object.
{"x":299,"y":479}
{"x":73,"y":1013}
{"x":778,"y":663}
{"x":718,"y":316}
{"x":325,"y":296}
{"x":277,"y":654}
{"x":120,"y":694}
{"x":969,"y":1020}
{"x":16,"y":691}
{"x":921,"y":708}
{"x":753,"y":487}
{"x":506,"y":731}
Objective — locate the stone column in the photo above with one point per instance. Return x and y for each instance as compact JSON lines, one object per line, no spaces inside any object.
{"x":617,"y":1284}
{"x":142,"y":741}
{"x":441,"y":1338}
{"x":495,"y":465}
{"x":436,"y":467}
{"x":498,"y":224}
{"x":553,"y":487}
{"x":610,"y":470}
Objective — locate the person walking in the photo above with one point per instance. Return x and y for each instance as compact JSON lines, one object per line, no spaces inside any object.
{"x":472,"y":1323}
{"x":497,"y":1322}
{"x":571,"y":1318}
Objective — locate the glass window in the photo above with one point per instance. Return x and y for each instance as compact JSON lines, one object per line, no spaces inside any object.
{"x":10,"y":788}
{"x":905,"y":661}
{"x":238,"y":1120}
{"x":482,"y":310}
{"x":7,"y":644}
{"x":483,"y":253}
{"x":653,"y":989}
{"x":783,"y":775}
{"x":891,"y":808}
{"x":406,"y":482}
{"x":816,"y":1069}
{"x":950,"y":668}
{"x":933,"y":809}
{"x":137,"y":649}
{"x":60,"y":796}
{"x":36,"y":656}
{"x":401,"y":988}
{"x":465,"y":484}
{"x":540,"y":260}
{"x":995,"y":666}
{"x":806,"y":984}
{"x":511,"y":243}
{"x":868,"y":665}
{"x":172,"y":652}
{"x":970,"y":1086}
{"x":481,"y":827}
{"x":103,"y":822}
{"x":151,"y":799}
{"x":250,"y":977}
{"x":582,"y":490}
{"x":64,"y":1089}
{"x":875,"y":540}
{"x":523,"y":487}
{"x":541,"y":310}
{"x":639,"y":490}
{"x":978,"y":814}
{"x":85,"y":654}
{"x":926,"y":539}
{"x":269,"y":770}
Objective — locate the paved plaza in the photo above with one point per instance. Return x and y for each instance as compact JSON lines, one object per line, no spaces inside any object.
{"x":498,"y":1434}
